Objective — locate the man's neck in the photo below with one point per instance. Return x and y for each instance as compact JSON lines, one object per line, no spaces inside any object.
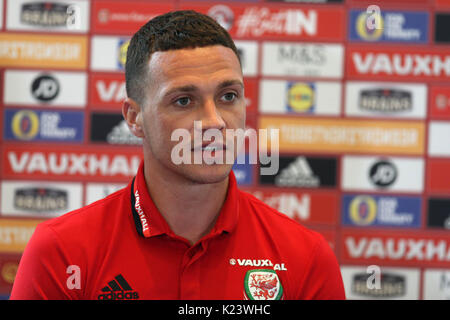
{"x":190,"y":209}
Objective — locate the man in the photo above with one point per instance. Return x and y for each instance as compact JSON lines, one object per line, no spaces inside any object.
{"x":179,"y":231}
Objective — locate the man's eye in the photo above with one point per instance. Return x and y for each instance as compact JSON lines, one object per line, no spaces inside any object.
{"x":228,"y":97}
{"x":183,"y":101}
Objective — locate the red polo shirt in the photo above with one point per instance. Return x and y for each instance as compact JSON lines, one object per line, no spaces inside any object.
{"x":122,"y":248}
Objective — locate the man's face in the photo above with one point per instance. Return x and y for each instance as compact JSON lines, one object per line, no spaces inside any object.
{"x":186,"y":86}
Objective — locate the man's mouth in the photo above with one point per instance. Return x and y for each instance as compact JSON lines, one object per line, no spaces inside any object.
{"x":210,"y":147}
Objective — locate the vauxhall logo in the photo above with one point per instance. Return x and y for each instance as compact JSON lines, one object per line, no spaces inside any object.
{"x":257,"y":263}
{"x":402,"y":65}
{"x":407,"y":249}
{"x":73,"y":164}
{"x":45,"y":88}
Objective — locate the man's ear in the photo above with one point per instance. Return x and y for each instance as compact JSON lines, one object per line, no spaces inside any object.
{"x":132,"y":114}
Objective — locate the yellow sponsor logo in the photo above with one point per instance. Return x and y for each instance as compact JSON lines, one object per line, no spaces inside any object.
{"x":15,"y":234}
{"x":363,"y":210}
{"x":300,"y":97}
{"x":43,"y":51}
{"x":25,"y":125}
{"x":344,"y":135}
{"x":369,"y":35}
{"x":9,"y":271}
{"x":123,"y":48}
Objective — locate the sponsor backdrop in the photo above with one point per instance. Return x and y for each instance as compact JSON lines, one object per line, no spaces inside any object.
{"x":360,"y":93}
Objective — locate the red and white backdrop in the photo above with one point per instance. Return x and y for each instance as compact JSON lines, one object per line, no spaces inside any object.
{"x":363,"y":116}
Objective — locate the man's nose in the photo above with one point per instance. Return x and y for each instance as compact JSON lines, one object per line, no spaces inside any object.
{"x":211,"y":117}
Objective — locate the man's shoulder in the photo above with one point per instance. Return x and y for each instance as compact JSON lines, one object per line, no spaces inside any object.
{"x":279,"y":223}
{"x":311,"y":263}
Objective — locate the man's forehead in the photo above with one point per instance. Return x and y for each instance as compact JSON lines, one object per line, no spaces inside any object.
{"x":194,"y":57}
{"x":175,"y":68}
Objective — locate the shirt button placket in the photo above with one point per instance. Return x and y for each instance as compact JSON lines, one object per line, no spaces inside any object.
{"x":190,"y":273}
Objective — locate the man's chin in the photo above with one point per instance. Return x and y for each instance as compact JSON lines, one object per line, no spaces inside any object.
{"x":207,"y":174}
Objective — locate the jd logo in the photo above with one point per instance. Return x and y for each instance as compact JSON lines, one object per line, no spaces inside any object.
{"x":45,"y":88}
{"x":383,"y":173}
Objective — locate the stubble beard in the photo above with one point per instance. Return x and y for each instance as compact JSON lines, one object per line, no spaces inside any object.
{"x":161,"y":164}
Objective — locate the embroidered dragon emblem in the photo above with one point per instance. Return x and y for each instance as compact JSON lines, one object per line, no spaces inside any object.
{"x":263,"y":284}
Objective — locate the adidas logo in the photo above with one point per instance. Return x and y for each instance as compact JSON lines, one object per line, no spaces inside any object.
{"x":118,"y":289}
{"x":297,"y":174}
{"x":121,"y":134}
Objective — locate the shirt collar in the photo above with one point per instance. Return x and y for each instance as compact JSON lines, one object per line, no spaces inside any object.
{"x":149,"y":222}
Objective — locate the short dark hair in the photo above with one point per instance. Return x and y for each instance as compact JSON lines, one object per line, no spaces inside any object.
{"x":170,"y":31}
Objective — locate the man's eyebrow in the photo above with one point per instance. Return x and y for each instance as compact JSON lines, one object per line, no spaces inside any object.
{"x":228,"y":83}
{"x":187,"y":88}
{"x":191,"y":88}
